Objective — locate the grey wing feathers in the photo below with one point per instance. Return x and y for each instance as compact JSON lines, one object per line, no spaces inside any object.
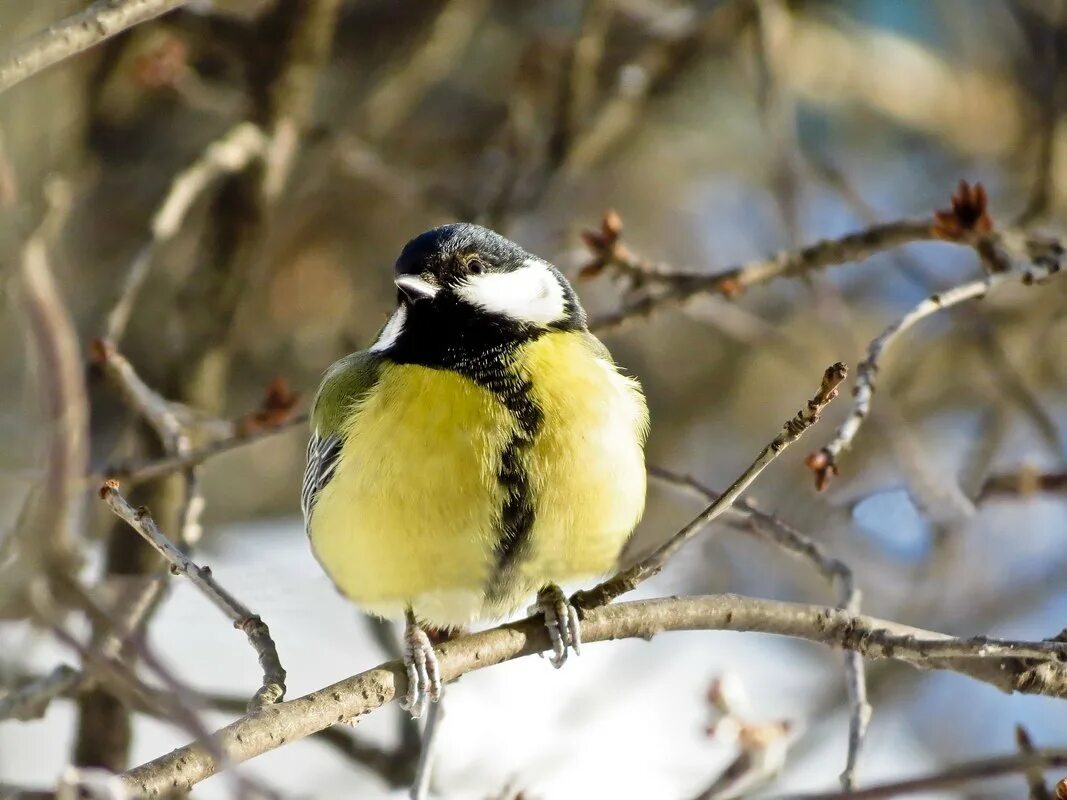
{"x":323,"y":454}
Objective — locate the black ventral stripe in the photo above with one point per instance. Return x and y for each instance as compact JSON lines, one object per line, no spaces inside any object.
{"x":484,"y":348}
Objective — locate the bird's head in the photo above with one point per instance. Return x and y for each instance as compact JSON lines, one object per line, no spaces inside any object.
{"x":467,"y":270}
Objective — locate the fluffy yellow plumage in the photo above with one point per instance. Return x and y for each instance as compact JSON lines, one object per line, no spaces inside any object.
{"x":482,"y":451}
{"x":409,"y":517}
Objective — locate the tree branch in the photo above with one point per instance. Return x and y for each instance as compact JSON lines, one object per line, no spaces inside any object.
{"x":1043,"y":259}
{"x":49,"y":525}
{"x":1035,"y":776}
{"x":31,"y":701}
{"x":135,"y":472}
{"x":966,"y":772}
{"x":273,"y":688}
{"x":1023,"y":483}
{"x":88,"y":28}
{"x":674,"y":287}
{"x":1003,"y":664}
{"x":836,"y":573}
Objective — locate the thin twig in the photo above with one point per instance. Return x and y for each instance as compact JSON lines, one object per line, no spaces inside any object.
{"x":177,"y":704}
{"x":967,"y":772}
{"x":48,"y":540}
{"x":233,"y":247}
{"x":836,"y":573}
{"x":1035,"y":776}
{"x":226,"y":156}
{"x":678,"y":286}
{"x":1023,"y":484}
{"x":979,"y":658}
{"x":630,"y":578}
{"x":136,"y":472}
{"x":169,"y":420}
{"x":173,"y":423}
{"x":1045,"y":259}
{"x":31,"y":701}
{"x":273,"y":688}
{"x":68,"y":37}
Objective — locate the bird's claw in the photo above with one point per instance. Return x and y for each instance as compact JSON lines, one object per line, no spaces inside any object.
{"x":561,"y":619}
{"x":424,"y":673}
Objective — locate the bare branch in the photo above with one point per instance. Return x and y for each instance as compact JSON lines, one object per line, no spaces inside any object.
{"x":967,"y":772}
{"x":49,"y":541}
{"x":631,"y":577}
{"x":1044,"y":258}
{"x":75,"y":34}
{"x":177,"y":704}
{"x":674,"y":287}
{"x":31,"y":701}
{"x":836,"y":573}
{"x":292,"y":41}
{"x":1003,"y":664}
{"x":169,"y":420}
{"x":273,"y":688}
{"x":136,"y":472}
{"x":1035,"y":776}
{"x":1024,"y":483}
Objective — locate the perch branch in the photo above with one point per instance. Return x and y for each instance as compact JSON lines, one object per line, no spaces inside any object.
{"x":630,"y":578}
{"x":75,"y":34}
{"x":1002,"y":664}
{"x":273,"y":688}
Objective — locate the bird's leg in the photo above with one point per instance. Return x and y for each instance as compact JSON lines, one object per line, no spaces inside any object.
{"x":424,"y":674}
{"x":420,"y":788}
{"x":561,"y":619}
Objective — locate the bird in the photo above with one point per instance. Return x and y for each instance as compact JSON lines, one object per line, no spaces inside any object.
{"x":483,"y":450}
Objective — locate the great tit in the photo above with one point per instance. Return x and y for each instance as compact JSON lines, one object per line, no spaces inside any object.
{"x":484,"y":449}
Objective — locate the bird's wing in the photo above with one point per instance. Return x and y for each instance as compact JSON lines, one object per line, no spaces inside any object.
{"x":323,"y":453}
{"x":343,"y":389}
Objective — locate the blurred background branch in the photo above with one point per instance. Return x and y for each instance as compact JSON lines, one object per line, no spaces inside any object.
{"x":237,"y":177}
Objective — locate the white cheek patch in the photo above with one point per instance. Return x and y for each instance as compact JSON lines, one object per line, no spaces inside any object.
{"x":392,"y":330}
{"x":530,"y":294}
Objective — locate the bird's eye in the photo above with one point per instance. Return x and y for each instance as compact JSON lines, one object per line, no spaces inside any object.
{"x":475,"y":266}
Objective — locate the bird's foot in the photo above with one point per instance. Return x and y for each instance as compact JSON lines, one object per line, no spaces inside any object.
{"x":424,"y":673}
{"x":561,"y":619}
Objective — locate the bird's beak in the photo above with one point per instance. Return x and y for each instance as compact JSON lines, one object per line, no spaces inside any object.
{"x":416,"y":288}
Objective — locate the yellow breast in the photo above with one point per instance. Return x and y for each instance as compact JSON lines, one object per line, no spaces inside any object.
{"x":412,"y":506}
{"x":411,"y":516}
{"x":587,"y":464}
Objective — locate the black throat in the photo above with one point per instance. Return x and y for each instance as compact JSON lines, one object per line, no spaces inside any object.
{"x":447,"y":335}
